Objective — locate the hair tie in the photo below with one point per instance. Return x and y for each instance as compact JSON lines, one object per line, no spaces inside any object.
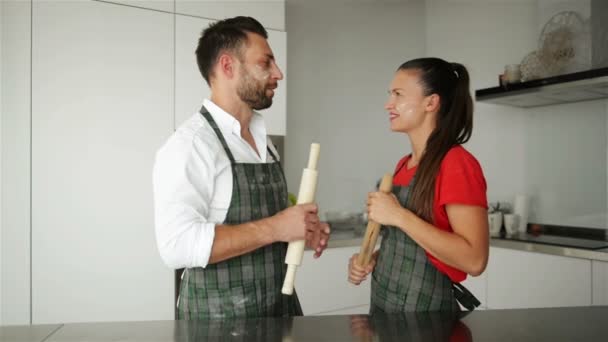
{"x":456,"y":73}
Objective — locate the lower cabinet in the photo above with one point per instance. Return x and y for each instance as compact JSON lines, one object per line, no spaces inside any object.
{"x":322,"y":284}
{"x":518,"y":279}
{"x":600,"y":282}
{"x":512,"y":279}
{"x":478,"y":286}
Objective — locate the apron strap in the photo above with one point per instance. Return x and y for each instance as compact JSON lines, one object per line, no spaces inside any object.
{"x":272,"y":154}
{"x":217,"y":131}
{"x":220,"y":136}
{"x":465,"y":297}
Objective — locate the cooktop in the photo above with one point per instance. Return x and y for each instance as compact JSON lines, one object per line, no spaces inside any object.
{"x":560,"y":241}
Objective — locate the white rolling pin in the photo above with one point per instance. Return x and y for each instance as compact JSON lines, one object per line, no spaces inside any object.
{"x":308,"y":186}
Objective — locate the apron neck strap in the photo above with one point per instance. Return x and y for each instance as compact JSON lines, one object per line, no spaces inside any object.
{"x":205,"y":113}
{"x":217,"y":131}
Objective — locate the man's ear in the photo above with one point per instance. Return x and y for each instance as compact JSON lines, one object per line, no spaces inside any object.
{"x":433,"y":103}
{"x":226,"y":65}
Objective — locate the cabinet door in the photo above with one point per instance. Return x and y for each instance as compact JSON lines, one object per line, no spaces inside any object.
{"x":191,"y":89}
{"x":322,"y":284}
{"x":600,"y":282}
{"x":15,"y":123}
{"x":161,"y":5}
{"x":518,"y":279}
{"x":102,"y":105}
{"x":271,"y":13}
{"x":478,"y":287}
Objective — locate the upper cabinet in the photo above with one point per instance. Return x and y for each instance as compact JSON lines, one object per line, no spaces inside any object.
{"x":575,"y":87}
{"x":191,"y":89}
{"x":275,"y":116}
{"x":102,"y":104}
{"x":161,"y":5}
{"x":271,"y":13}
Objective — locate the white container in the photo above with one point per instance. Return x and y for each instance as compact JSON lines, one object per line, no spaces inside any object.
{"x":495,"y":223}
{"x":512,"y":73}
{"x":511,"y":224}
{"x":521,"y":207}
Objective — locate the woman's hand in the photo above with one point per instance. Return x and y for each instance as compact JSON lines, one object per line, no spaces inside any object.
{"x":357,"y":273}
{"x":384,"y":208}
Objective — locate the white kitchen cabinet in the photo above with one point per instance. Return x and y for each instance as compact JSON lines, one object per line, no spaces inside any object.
{"x":478,"y":286}
{"x":102,"y":91}
{"x":600,"y":282}
{"x":322,"y":284}
{"x":191,"y":89}
{"x":161,"y":5}
{"x":518,"y":279}
{"x":276,"y":116}
{"x":354,"y":310}
{"x":271,"y":13}
{"x":15,"y":28}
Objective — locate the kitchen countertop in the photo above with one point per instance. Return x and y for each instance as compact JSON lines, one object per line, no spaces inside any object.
{"x":595,"y":254}
{"x":554,"y":324}
{"x":346,"y":238}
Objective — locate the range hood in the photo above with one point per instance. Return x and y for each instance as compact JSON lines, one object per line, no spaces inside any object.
{"x":575,"y":87}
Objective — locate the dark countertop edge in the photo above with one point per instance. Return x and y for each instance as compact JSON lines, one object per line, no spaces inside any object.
{"x":568,"y":231}
{"x":598,"y":254}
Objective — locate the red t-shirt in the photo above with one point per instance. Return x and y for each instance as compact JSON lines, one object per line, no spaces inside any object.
{"x":460,"y":181}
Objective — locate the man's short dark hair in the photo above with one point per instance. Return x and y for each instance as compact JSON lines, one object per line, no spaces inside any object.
{"x":224,"y":35}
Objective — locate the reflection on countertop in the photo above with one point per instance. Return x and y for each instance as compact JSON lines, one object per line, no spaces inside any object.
{"x":550,"y":324}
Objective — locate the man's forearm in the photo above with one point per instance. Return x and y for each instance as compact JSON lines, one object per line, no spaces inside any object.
{"x":234,"y":240}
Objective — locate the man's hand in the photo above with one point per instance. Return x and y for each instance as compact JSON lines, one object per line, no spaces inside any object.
{"x":301,"y":222}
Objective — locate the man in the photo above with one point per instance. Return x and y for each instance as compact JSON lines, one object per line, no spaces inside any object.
{"x":220,"y":193}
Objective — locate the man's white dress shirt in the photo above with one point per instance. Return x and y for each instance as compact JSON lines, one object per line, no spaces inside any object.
{"x":193,"y":183}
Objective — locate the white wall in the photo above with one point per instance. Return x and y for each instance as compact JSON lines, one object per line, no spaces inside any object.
{"x":566,"y":154}
{"x":341,"y":58}
{"x":484,"y":36}
{"x":1,"y":67}
{"x":340,"y":65}
{"x":15,"y":144}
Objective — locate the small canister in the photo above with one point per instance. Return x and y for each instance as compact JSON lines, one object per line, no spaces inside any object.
{"x":512,"y":73}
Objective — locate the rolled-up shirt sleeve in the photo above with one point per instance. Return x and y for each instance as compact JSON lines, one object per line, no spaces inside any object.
{"x":183,"y":182}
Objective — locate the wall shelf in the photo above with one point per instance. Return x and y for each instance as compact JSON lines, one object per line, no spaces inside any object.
{"x":575,"y":87}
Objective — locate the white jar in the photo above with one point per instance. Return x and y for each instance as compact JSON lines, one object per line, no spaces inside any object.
{"x":495,"y":223}
{"x":512,"y":73}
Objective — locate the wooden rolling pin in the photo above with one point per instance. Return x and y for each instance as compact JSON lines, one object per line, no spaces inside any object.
{"x":308,"y":186}
{"x":373,"y":228}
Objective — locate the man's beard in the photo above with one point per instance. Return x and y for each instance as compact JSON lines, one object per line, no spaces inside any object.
{"x":253,"y":92}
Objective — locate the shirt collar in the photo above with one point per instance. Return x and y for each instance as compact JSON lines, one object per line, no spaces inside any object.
{"x":229,"y":124}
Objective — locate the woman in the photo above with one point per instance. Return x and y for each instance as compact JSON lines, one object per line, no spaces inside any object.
{"x":435,"y":222}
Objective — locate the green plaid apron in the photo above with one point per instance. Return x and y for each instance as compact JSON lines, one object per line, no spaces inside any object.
{"x":404,"y":279}
{"x":248,"y":285}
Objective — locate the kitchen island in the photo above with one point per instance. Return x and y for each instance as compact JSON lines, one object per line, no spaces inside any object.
{"x":551,"y":324}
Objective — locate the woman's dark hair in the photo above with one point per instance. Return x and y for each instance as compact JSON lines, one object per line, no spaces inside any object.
{"x":454,"y":124}
{"x":224,"y":35}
